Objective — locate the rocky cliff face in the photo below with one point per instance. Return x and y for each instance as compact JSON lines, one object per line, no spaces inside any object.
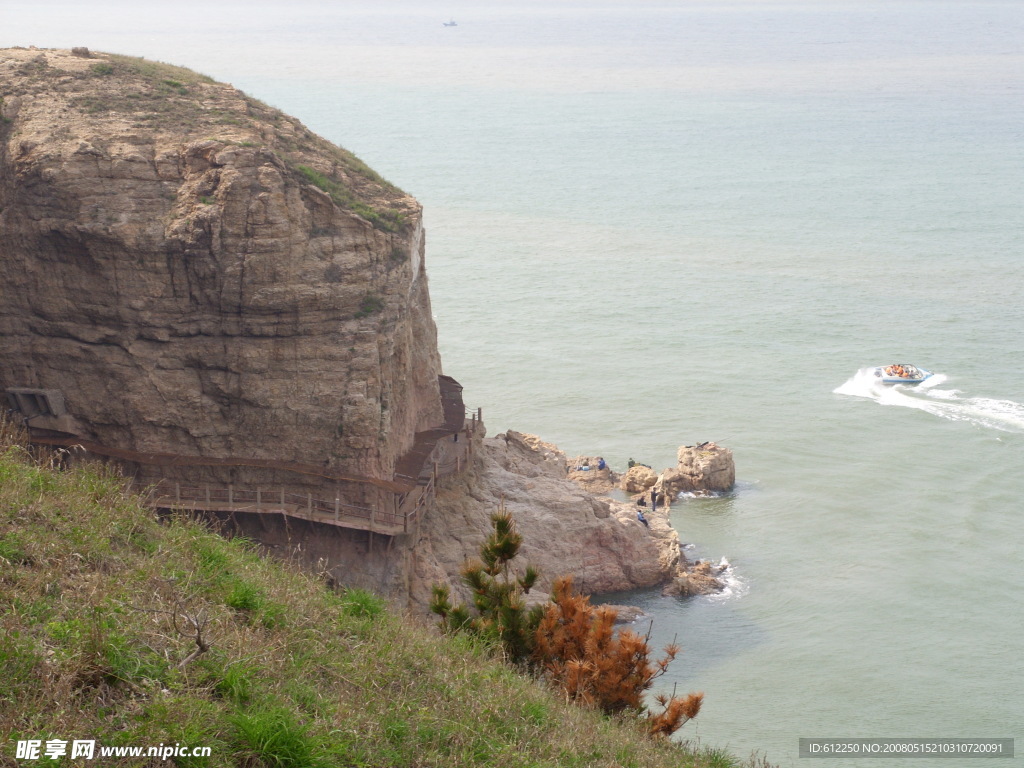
{"x":195,"y":280}
{"x":566,"y":530}
{"x":198,"y":274}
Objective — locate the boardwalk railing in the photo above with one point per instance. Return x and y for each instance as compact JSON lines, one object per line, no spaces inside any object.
{"x":278,"y":501}
{"x":435,"y":453}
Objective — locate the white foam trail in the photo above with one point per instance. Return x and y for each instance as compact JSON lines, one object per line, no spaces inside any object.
{"x":1005,"y":415}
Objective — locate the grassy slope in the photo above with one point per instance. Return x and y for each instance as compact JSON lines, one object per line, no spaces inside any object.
{"x":296,"y":674}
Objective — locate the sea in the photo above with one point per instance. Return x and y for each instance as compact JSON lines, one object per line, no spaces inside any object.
{"x":662,"y":222}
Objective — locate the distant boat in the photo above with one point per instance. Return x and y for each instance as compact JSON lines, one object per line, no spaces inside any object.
{"x":901,"y":373}
{"x":451,"y":23}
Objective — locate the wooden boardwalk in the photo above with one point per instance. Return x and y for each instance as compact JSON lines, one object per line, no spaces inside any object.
{"x":436,"y":452}
{"x":168,"y":495}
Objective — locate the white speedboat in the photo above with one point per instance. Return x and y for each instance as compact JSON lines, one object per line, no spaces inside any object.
{"x":901,"y":373}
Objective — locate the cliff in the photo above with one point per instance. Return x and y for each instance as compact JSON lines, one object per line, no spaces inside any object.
{"x":198,"y":287}
{"x":190,"y":273}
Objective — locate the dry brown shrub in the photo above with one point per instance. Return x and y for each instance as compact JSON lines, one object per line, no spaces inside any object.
{"x":580,"y":652}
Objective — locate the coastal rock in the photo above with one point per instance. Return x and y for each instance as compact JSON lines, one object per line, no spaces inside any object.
{"x":704,"y":467}
{"x":199,"y":275}
{"x":587,"y":472}
{"x":565,"y":529}
{"x":699,"y":578}
{"x":625,"y":614}
{"x":638,"y":479}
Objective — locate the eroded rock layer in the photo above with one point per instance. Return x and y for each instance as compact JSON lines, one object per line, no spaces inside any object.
{"x":197,"y":274}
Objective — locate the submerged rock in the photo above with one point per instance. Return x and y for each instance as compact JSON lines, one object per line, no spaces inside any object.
{"x":700,"y":578}
{"x":625,"y":614}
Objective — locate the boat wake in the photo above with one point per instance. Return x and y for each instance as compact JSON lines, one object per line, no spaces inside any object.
{"x":1004,"y":415}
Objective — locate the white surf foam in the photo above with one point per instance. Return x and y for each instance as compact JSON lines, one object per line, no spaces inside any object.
{"x":735,"y":587}
{"x":1005,"y":415}
{"x":701,"y":494}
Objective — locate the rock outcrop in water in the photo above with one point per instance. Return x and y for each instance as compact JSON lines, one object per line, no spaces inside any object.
{"x":565,"y":529}
{"x":191,"y":273}
{"x":638,"y":479}
{"x":701,"y":468}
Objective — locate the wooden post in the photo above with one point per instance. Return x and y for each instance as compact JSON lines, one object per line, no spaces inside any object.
{"x":177,"y":493}
{"x":207,"y":494}
{"x":480,"y":414}
{"x":337,"y":508}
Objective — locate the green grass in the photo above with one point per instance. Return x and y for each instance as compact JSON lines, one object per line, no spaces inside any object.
{"x":385,"y":219}
{"x":370,"y":304}
{"x":164,"y":98}
{"x":96,"y":599}
{"x":158,"y":72}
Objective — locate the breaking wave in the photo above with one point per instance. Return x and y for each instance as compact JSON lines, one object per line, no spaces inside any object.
{"x":734,"y":585}
{"x":951,"y":404}
{"x":725,"y":572}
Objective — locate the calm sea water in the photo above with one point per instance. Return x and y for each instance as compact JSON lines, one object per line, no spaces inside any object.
{"x":658,"y":223}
